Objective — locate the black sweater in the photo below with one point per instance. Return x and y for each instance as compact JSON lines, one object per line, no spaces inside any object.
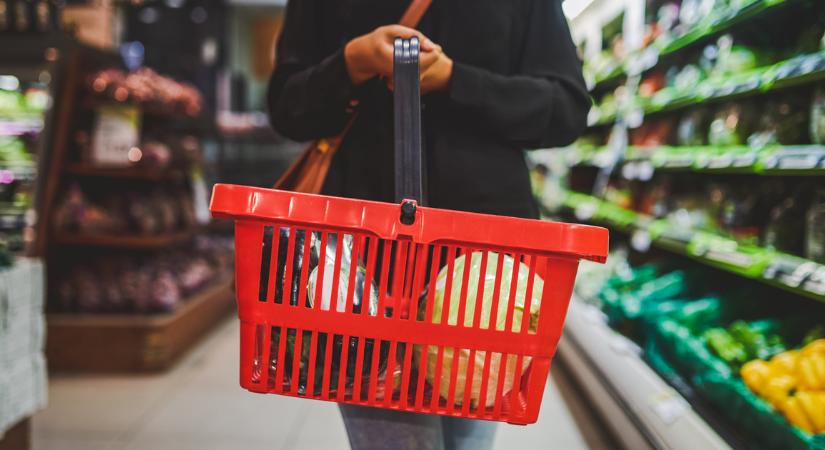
{"x":517,"y":84}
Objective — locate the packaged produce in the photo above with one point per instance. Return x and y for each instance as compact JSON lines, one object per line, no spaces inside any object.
{"x":793,"y":382}
{"x":77,"y":213}
{"x":666,"y":19}
{"x":652,"y":134}
{"x":733,"y":59}
{"x":687,"y":78}
{"x":739,"y":214}
{"x":815,"y":229}
{"x":152,"y":283}
{"x":694,"y":11}
{"x":146,"y":86}
{"x":156,"y":212}
{"x":782,"y":123}
{"x":652,"y":84}
{"x":785,"y":229}
{"x":487,"y":316}
{"x":818,"y":117}
{"x":727,"y":126}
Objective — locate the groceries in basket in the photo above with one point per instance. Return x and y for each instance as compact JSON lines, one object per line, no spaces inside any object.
{"x":521,"y":298}
{"x":445,"y":307}
{"x":323,"y":339}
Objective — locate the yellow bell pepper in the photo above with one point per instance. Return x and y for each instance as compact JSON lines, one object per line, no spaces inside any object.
{"x":814,"y":409}
{"x":777,"y":389}
{"x":785,"y":362}
{"x":756,"y":374}
{"x":818,"y":362}
{"x":807,"y":374}
{"x":817,"y":346}
{"x":795,"y":415}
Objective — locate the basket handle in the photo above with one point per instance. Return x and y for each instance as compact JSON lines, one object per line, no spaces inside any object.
{"x":407,"y":99}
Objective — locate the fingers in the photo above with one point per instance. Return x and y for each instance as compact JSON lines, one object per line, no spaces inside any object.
{"x":393,"y":31}
{"x":428,"y":59}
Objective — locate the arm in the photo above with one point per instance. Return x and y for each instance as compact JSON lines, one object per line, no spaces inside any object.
{"x":309,"y":92}
{"x":546,"y":104}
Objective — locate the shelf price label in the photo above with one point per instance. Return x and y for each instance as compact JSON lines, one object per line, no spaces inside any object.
{"x":116,"y":133}
{"x":790,"y":271}
{"x":669,"y":406}
{"x":640,"y":241}
{"x":816,"y":282}
{"x":585,"y":210}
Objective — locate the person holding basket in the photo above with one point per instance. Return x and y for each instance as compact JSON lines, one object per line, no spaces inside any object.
{"x":496,"y":77}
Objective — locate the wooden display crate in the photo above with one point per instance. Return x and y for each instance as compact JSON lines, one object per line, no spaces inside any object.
{"x":133,"y":343}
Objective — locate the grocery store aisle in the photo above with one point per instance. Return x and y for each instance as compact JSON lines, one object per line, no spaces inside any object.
{"x":199,"y":405}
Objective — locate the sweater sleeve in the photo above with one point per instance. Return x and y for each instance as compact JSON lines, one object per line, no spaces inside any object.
{"x":544,"y":104}
{"x":309,"y":92}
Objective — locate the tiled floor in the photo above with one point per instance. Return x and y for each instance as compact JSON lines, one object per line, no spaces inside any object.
{"x":199,"y":405}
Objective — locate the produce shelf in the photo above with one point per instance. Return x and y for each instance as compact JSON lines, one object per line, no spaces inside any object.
{"x":803,"y":69}
{"x":129,"y":342}
{"x":649,"y":57}
{"x":795,"y":71}
{"x":722,"y":24}
{"x":641,"y":408}
{"x":769,"y":160}
{"x":136,"y":173}
{"x":791,"y":273}
{"x":155,"y":109}
{"x":136,"y":242}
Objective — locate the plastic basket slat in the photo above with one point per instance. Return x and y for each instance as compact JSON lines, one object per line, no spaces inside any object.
{"x":313,"y":355}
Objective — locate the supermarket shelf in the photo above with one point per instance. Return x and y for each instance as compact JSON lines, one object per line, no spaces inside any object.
{"x":136,"y":173}
{"x":803,"y":69}
{"x":769,"y":160}
{"x":788,"y":272}
{"x":723,"y":24}
{"x":129,"y":342}
{"x":795,"y":71}
{"x":640,"y":407}
{"x":136,"y":242}
{"x":609,"y":79}
{"x":649,"y":57}
{"x":19,"y":126}
{"x":151,"y":109}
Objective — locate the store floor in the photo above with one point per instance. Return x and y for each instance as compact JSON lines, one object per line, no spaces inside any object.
{"x":199,"y":405}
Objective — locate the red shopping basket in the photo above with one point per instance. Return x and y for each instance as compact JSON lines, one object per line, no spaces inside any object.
{"x":400,"y":306}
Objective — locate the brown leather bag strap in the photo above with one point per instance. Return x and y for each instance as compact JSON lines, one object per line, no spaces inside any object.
{"x":414,"y":13}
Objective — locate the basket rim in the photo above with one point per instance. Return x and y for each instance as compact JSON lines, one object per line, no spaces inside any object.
{"x":432,"y":225}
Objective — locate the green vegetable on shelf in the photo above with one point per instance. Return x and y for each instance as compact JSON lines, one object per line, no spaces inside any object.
{"x":815,"y":333}
{"x":726,"y":346}
{"x":744,"y":341}
{"x":757,"y":338}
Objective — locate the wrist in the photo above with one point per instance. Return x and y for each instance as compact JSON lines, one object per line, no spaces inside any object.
{"x":447,"y":75}
{"x":353,"y":60}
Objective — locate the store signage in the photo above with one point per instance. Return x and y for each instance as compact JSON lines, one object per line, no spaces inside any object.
{"x":116,"y":132}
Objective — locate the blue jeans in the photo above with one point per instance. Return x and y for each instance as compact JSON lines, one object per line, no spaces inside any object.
{"x":373,"y":428}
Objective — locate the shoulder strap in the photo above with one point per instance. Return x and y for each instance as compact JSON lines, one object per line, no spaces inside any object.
{"x":414,"y":13}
